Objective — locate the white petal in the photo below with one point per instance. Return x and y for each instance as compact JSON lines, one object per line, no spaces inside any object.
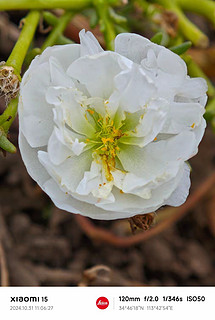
{"x":36,"y":130}
{"x":65,"y":54}
{"x":132,"y":204}
{"x":95,"y":182}
{"x":33,"y":166}
{"x":70,"y":172}
{"x":61,"y":199}
{"x":171,"y":63}
{"x":134,"y":88}
{"x":137,"y":48}
{"x":97,"y":73}
{"x":64,"y":143}
{"x":157,"y":160}
{"x":89,"y":44}
{"x":183,"y":116}
{"x":153,"y":120}
{"x":128,"y":204}
{"x":73,"y":112}
{"x":131,"y":46}
{"x":60,"y":119}
{"x":130,"y":183}
{"x":67,"y":202}
{"x":177,"y":148}
{"x":167,"y":70}
{"x":77,"y":147}
{"x":150,"y":62}
{"x":32,"y":103}
{"x":199,"y":131}
{"x":58,"y":74}
{"x":91,"y":180}
{"x":150,"y":124}
{"x":180,"y":194}
{"x":58,"y":152}
{"x":193,"y":88}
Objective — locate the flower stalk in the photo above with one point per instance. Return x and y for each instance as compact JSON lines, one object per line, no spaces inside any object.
{"x":52,"y":20}
{"x":43,"y":4}
{"x":56,"y":33}
{"x":7,"y":118}
{"x":203,"y":7}
{"x":106,"y":25}
{"x":49,"y":4}
{"x":10,"y":82}
{"x":20,"y":49}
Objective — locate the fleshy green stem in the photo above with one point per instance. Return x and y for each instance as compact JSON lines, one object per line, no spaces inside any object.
{"x":20,"y":49}
{"x":7,"y":118}
{"x":52,"y":20}
{"x":15,"y":60}
{"x":203,"y":7}
{"x":43,"y":4}
{"x":57,"y":30}
{"x":106,"y":25}
{"x":63,"y":40}
{"x":49,"y":4}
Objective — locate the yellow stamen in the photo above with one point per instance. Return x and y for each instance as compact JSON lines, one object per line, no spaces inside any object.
{"x":193,"y":125}
{"x":90,"y":111}
{"x":105,"y":140}
{"x":106,"y":166}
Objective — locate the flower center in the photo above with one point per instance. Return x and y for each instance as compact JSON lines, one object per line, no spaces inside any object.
{"x":109,"y":136}
{"x":106,"y":141}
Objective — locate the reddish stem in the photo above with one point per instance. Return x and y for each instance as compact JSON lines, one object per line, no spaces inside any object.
{"x":101,"y":234}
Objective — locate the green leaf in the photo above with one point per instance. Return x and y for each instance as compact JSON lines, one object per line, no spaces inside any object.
{"x":157,"y":38}
{"x":181,"y":48}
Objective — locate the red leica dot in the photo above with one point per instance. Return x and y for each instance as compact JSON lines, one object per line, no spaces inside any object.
{"x":102,"y":303}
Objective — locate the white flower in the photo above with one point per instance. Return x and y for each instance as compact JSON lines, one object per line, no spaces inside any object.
{"x":107,"y":134}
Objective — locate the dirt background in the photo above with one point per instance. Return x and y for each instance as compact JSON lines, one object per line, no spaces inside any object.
{"x":41,"y":245}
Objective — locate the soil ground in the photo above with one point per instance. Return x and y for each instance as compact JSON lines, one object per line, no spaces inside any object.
{"x":44,"y":246}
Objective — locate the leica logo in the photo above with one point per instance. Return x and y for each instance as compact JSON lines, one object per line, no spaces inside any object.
{"x":102,"y":303}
